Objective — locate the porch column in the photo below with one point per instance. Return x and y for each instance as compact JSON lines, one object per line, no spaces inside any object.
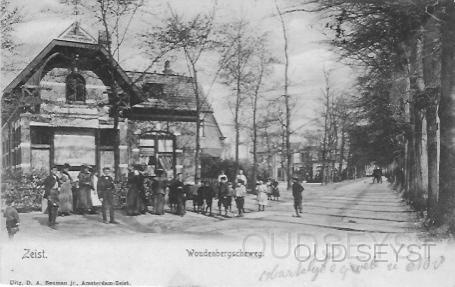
{"x":123,"y":129}
{"x":25,"y":145}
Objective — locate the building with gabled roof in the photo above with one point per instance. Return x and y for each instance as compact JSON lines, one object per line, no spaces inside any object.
{"x":57,"y":111}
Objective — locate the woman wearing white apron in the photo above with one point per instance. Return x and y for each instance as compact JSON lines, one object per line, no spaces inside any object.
{"x":96,"y":202}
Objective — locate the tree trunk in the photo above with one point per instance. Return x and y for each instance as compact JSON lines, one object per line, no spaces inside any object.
{"x":255,"y":132}
{"x":432,"y":149}
{"x":237,"y":125}
{"x":419,"y":86}
{"x":286,"y":99}
{"x":198,"y":123}
{"x":340,"y":164}
{"x":447,"y":119}
{"x":432,"y":73}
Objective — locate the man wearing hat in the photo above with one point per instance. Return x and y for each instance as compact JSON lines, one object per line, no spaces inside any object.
{"x":51,"y":186}
{"x":177,"y":189}
{"x":105,"y":189}
{"x":297,"y":189}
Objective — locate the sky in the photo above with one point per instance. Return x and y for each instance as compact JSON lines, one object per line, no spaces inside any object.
{"x":309,"y":53}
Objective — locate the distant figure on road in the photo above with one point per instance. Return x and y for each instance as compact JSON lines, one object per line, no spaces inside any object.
{"x":297,"y":189}
{"x":275,"y":190}
{"x":377,"y":175}
{"x":242,"y":177}
{"x":240,"y":193}
{"x":12,"y":221}
{"x":269,"y":189}
{"x":261,"y":190}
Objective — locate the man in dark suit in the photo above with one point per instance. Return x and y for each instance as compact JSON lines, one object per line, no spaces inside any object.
{"x":51,"y":186}
{"x":106,"y":190}
{"x":177,"y":189}
{"x":297,"y":189}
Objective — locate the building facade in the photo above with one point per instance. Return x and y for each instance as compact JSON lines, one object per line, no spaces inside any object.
{"x":59,"y":110}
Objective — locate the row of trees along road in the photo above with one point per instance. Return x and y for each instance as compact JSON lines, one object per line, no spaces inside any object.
{"x":406,"y":95}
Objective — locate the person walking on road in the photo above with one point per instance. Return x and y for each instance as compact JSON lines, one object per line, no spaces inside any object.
{"x":261,"y":190}
{"x":240,"y":193}
{"x":275,"y":190}
{"x":297,"y":190}
{"x":105,"y":189}
{"x":242,"y":177}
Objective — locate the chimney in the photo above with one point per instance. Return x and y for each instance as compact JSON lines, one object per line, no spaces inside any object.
{"x":167,"y":68}
{"x":103,"y":39}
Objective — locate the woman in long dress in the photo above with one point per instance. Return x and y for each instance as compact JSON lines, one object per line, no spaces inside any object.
{"x":65,"y":196}
{"x":85,"y":185}
{"x":159,"y":186}
{"x":261,"y":190}
{"x":136,"y":185}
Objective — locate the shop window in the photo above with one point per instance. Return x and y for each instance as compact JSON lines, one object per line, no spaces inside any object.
{"x":107,"y":137}
{"x":75,"y":88}
{"x":41,"y":135}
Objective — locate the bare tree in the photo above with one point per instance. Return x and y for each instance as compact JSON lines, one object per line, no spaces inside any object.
{"x":242,"y":54}
{"x":286,"y":96}
{"x":191,"y":37}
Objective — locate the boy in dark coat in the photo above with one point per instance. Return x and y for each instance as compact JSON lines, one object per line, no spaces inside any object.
{"x":12,"y":221}
{"x":223,"y":192}
{"x":106,"y":188}
{"x":297,"y":189}
{"x":177,"y":189}
{"x":207,"y":194}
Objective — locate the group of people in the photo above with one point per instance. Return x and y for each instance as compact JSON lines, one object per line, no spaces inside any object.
{"x":65,"y":195}
{"x":149,"y":192}
{"x":147,"y":189}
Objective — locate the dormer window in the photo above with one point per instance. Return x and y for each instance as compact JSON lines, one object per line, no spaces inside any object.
{"x":75,"y":88}
{"x":154,"y":90}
